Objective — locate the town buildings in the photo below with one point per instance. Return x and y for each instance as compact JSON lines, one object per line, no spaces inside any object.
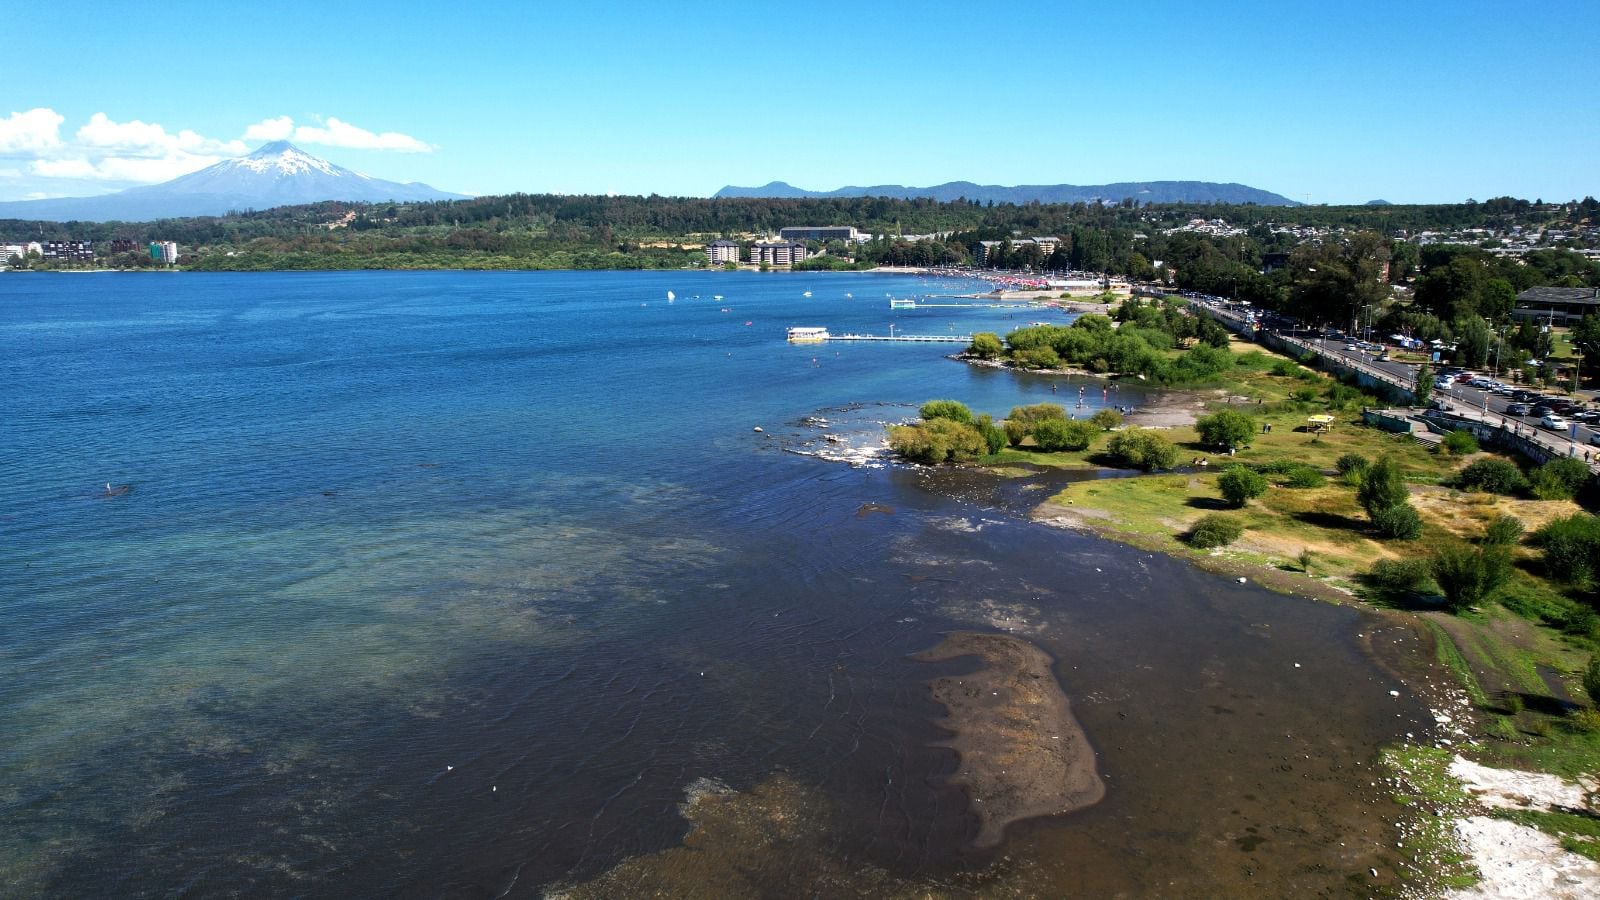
{"x":776,"y":254}
{"x":722,"y":252}
{"x":164,"y":252}
{"x":824,"y":233}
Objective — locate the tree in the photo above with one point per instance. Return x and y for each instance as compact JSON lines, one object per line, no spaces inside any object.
{"x":986,"y":345}
{"x":1472,"y":341}
{"x":1022,"y":419}
{"x":1399,"y":522}
{"x":1226,"y":428}
{"x":1054,"y":435}
{"x":946,"y":409}
{"x":1384,"y":486}
{"x":1241,"y":484}
{"x":1424,"y":386}
{"x":1214,"y":530}
{"x":1106,"y":419}
{"x":1467,"y":575}
{"x":1585,"y":338}
{"x":1142,"y":449}
{"x":936,"y":440}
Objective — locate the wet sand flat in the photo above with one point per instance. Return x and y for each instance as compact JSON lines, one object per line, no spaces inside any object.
{"x":1022,"y":752}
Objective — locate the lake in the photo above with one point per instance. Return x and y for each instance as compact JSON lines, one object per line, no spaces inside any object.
{"x":464,"y":584}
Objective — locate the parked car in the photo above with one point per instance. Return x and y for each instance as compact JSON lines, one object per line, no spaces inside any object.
{"x":1555,"y":422}
{"x":1524,"y":396}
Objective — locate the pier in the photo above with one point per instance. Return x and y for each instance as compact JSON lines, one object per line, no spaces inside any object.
{"x":905,"y":338}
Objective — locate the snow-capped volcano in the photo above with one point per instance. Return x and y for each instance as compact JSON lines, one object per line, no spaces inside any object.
{"x":276,"y":174}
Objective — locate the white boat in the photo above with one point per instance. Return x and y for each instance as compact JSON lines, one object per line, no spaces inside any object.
{"x":808,"y":335}
{"x":671,"y":296}
{"x":716,"y":296}
{"x":806,"y":294}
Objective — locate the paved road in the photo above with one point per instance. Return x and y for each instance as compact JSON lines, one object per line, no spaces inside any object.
{"x":1460,"y":398}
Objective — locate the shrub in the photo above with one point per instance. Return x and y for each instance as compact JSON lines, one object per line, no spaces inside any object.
{"x":1502,"y":530}
{"x":1467,"y":575}
{"x":1459,"y":443}
{"x":1053,"y":435}
{"x":1278,"y":467}
{"x":1383,"y":487}
{"x":1571,"y":548}
{"x":1584,"y":721}
{"x":1106,"y":419}
{"x":1239,"y":484}
{"x":986,"y":345}
{"x":1560,"y":479}
{"x":1284,"y":368}
{"x":1497,"y":476}
{"x":1215,"y":530}
{"x":1412,"y":576}
{"x":1341,"y":396}
{"x":1226,"y":428}
{"x":1352,"y":462}
{"x":1303,"y":476}
{"x":953,"y":410}
{"x":1037,"y":358}
{"x":936,"y":440}
{"x":1591,"y":679}
{"x":994,"y":437}
{"x":1399,"y":522}
{"x":1304,"y":395}
{"x":1019,"y":424}
{"x":1141,"y":449}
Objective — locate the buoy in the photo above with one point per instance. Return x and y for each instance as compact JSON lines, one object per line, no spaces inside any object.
{"x":757,"y":428}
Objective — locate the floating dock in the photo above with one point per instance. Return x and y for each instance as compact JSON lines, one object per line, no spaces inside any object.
{"x":905,"y":338}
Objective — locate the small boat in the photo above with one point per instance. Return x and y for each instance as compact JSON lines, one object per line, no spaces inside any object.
{"x":806,"y":294}
{"x":671,"y":296}
{"x":716,"y":296}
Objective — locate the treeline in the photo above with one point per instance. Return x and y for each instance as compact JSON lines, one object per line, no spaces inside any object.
{"x":1141,"y":346}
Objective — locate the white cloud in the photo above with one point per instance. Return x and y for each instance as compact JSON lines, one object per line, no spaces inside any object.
{"x":338,"y":133}
{"x":279,"y":129}
{"x":138,"y":170}
{"x":30,"y":133}
{"x":136,"y":138}
{"x":10,"y":173}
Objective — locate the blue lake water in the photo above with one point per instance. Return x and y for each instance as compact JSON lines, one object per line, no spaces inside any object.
{"x":453,"y":583}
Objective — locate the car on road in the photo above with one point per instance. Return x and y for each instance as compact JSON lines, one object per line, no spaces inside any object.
{"x":1517,"y":409}
{"x":1555,"y":422}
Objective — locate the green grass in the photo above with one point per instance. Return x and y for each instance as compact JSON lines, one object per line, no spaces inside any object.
{"x":1432,"y":855}
{"x":1578,"y":833}
{"x":1450,"y":656}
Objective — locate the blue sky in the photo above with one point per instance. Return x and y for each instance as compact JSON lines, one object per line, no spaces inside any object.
{"x":1335,"y":102}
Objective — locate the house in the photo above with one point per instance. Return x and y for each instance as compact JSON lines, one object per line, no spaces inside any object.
{"x":1556,"y":306}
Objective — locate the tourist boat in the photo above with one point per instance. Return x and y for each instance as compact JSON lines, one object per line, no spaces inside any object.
{"x":808,"y":335}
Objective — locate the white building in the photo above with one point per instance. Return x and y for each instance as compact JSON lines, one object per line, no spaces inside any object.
{"x":723,"y":251}
{"x":776,"y":253}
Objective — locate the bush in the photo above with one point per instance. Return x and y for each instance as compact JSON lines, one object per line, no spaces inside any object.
{"x":1141,"y":449}
{"x":1571,"y":548}
{"x":1502,"y":530}
{"x":1410,"y":576}
{"x":1468,"y":575}
{"x":1215,"y":530}
{"x":994,"y":437}
{"x":1383,"y":487}
{"x":1285,"y":368}
{"x":1054,"y":435}
{"x":986,"y":345}
{"x":1304,"y":395}
{"x":1019,"y":424}
{"x":1591,"y":679}
{"x":1352,"y":462}
{"x":1560,"y":479}
{"x":936,"y":440}
{"x":1239,"y":484}
{"x":953,"y":410}
{"x":1459,"y":443}
{"x":1497,"y":476}
{"x":1399,"y":522}
{"x":1303,"y":476}
{"x":1106,"y":419}
{"x":1226,"y":428}
{"x":1037,"y":358}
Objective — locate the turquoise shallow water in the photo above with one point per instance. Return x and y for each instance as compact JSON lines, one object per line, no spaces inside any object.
{"x":452,"y":582}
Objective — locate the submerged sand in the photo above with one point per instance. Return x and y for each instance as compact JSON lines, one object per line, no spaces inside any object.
{"x":1022,"y":752}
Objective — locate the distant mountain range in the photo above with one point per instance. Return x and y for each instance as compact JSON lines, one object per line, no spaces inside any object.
{"x":1142,"y":191}
{"x":277,"y":174}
